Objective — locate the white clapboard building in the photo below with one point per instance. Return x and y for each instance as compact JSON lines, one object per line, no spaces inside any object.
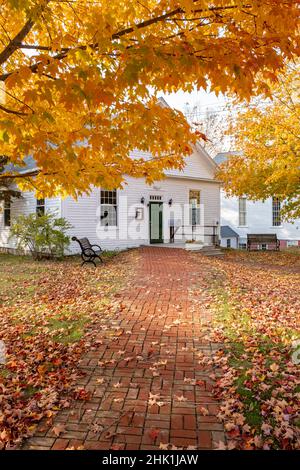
{"x":240,"y":216}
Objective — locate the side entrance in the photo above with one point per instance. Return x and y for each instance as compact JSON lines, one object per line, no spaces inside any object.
{"x":156,"y":222}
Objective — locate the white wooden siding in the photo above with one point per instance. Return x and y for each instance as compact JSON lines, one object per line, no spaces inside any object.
{"x":25,"y":205}
{"x":233,"y":242}
{"x":197,"y":165}
{"x":259,"y":219}
{"x":84,"y":214}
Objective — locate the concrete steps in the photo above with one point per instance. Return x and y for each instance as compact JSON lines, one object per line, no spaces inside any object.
{"x":208,"y":250}
{"x":211,"y":251}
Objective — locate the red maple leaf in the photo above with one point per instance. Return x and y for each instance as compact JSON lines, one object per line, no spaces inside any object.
{"x":154,"y":434}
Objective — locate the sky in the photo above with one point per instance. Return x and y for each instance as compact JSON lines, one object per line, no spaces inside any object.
{"x":195,"y":106}
{"x":200,"y":98}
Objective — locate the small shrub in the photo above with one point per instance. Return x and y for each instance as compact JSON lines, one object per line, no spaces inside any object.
{"x":43,"y":235}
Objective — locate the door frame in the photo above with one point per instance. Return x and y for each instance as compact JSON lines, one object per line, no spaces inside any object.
{"x":161,"y":238}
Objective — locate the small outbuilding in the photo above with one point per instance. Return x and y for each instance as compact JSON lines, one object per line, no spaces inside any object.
{"x":229,"y":238}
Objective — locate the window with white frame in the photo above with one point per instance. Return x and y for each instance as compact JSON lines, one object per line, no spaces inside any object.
{"x":276,"y":207}
{"x":194,"y":201}
{"x":228,"y":242}
{"x":7,"y":213}
{"x":109,"y":207}
{"x":40,"y":207}
{"x":242,"y":211}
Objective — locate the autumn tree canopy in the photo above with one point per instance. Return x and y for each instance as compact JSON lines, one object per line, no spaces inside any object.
{"x":267,"y":136}
{"x":79,"y":79}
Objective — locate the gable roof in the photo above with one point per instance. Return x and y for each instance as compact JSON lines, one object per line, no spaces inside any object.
{"x":204,"y":152}
{"x":198,"y":147}
{"x":29,"y":165}
{"x":163,"y":102}
{"x":228,"y":232}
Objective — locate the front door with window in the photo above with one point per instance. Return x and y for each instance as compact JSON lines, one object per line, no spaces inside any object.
{"x":156,"y":222}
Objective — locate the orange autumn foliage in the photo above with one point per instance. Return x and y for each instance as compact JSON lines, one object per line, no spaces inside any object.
{"x":79,"y":79}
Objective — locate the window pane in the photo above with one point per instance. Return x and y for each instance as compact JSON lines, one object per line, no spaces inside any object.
{"x":276,"y":206}
{"x":7,"y":213}
{"x":194,"y":197}
{"x":194,"y":201}
{"x":195,"y":216}
{"x":109,"y":197}
{"x":108,"y":201}
{"x":108,"y":215}
{"x":242,"y":203}
{"x":40,"y":211}
{"x":242,"y":211}
{"x":40,"y":207}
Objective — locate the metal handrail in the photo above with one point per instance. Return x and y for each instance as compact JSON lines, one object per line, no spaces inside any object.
{"x":214,"y":233}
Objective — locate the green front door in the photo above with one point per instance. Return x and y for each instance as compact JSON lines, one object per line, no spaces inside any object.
{"x":156,"y":222}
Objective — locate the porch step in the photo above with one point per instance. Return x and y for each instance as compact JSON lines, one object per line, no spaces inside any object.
{"x":211,"y":251}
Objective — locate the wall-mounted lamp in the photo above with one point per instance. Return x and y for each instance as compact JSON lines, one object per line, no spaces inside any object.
{"x":139,"y":213}
{"x":170,"y":202}
{"x":143,"y":200}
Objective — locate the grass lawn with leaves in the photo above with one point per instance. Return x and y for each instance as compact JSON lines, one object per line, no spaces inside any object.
{"x":50,"y":313}
{"x":256,"y":298}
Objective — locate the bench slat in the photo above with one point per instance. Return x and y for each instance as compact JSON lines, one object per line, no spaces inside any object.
{"x":88,"y":254}
{"x":262,"y":238}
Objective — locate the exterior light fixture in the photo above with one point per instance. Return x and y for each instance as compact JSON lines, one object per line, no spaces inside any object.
{"x":170,"y":202}
{"x":143,"y":200}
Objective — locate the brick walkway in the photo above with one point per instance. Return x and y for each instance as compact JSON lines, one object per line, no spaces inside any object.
{"x":145,"y":388}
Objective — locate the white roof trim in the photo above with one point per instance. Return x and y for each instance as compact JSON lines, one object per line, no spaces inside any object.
{"x":202,"y":150}
{"x":195,"y":178}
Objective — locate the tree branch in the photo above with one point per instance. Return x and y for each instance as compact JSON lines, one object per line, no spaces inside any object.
{"x":20,"y":36}
{"x":11,"y":47}
{"x":19,"y":175}
{"x":11,"y":111}
{"x":124,"y":32}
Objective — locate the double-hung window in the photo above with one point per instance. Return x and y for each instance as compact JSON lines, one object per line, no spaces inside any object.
{"x":40,"y":207}
{"x":194,"y":201}
{"x":276,"y":207}
{"x":242,"y":211}
{"x":109,"y":208}
{"x":7,"y":213}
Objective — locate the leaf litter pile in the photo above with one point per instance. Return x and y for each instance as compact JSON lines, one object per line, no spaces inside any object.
{"x":256,"y":303}
{"x":50,"y":314}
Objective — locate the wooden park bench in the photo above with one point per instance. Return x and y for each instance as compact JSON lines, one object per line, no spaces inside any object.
{"x":263,"y":239}
{"x":88,"y":253}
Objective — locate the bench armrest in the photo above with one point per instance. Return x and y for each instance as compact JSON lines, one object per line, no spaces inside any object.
{"x":100,"y":249}
{"x":88,"y":251}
